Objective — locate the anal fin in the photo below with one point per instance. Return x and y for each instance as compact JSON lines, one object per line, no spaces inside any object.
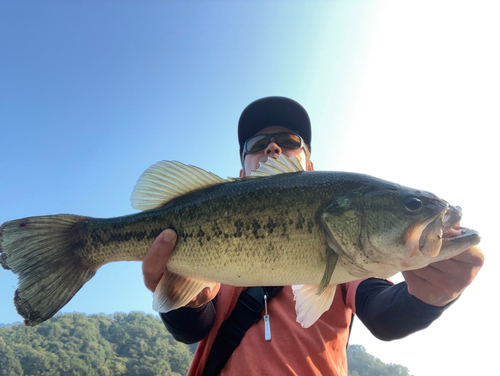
{"x":309,"y":305}
{"x":175,"y":291}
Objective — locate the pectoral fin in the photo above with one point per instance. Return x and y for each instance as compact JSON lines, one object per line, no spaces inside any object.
{"x":331,"y":262}
{"x":174,"y":291}
{"x":309,"y":305}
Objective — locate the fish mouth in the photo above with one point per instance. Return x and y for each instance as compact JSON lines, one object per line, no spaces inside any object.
{"x":459,"y":238}
{"x":444,"y":234}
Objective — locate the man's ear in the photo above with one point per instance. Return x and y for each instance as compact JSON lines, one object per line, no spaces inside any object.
{"x":242,"y":173}
{"x":310,"y":166}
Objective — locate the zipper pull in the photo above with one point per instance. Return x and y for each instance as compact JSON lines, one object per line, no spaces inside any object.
{"x":267,"y":327}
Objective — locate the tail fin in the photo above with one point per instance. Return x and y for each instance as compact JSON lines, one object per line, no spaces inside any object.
{"x":43,"y":252}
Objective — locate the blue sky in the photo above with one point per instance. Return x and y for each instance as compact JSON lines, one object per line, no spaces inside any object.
{"x":92,"y":93}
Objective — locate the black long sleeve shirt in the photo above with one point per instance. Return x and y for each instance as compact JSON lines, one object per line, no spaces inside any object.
{"x":390,"y":312}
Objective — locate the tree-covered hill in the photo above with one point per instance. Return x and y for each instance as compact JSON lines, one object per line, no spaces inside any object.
{"x":75,"y":344}
{"x":119,"y":344}
{"x":363,"y":364}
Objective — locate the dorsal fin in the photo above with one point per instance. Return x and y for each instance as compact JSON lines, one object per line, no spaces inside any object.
{"x":166,"y":180}
{"x":277,"y":166}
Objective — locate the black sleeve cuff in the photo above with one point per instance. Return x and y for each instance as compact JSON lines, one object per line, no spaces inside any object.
{"x":390,"y":312}
{"x":190,"y":325}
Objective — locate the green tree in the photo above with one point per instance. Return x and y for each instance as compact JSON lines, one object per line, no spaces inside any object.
{"x":75,"y":344}
{"x":9,"y":364}
{"x":363,"y":364}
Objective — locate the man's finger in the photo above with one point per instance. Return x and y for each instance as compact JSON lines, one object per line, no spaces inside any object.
{"x":466,"y":264}
{"x":474,"y":255}
{"x":153,"y":264}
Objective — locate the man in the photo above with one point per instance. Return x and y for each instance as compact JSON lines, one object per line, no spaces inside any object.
{"x":267,"y":128}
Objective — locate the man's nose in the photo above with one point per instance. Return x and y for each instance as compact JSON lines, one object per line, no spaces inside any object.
{"x":273,"y":147}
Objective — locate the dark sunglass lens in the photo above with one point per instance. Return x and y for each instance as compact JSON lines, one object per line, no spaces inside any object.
{"x":288,"y":140}
{"x":256,"y":143}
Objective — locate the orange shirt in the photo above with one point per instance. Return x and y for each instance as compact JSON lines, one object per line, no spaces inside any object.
{"x":317,"y":350}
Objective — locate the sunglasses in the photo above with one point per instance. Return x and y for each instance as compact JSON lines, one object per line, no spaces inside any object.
{"x":283,"y":139}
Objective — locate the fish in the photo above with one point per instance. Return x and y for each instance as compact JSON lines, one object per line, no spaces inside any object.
{"x":279,"y":226}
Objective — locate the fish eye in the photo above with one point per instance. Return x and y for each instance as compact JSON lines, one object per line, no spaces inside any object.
{"x":413,"y":204}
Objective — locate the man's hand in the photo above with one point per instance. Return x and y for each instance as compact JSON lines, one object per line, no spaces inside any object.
{"x":154,"y":266}
{"x":442,"y":282}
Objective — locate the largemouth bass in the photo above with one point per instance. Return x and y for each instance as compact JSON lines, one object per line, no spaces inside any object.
{"x":280,"y":226}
